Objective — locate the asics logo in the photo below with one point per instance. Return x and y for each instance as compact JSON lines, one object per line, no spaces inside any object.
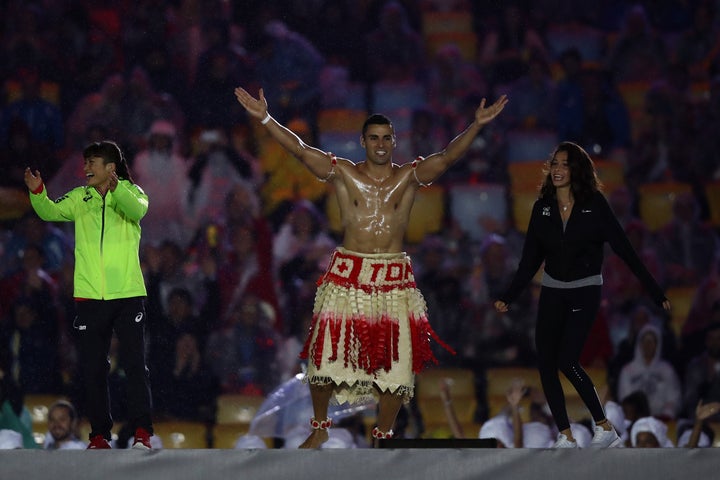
{"x":576,"y":309}
{"x":139,"y":317}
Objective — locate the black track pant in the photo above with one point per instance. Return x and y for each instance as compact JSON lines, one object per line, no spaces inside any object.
{"x":565,"y":317}
{"x":95,"y":323}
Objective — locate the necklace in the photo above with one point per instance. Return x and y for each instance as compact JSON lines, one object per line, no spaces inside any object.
{"x":565,"y":207}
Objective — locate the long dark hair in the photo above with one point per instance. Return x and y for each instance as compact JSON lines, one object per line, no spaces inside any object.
{"x":110,"y":153}
{"x":584,"y":181}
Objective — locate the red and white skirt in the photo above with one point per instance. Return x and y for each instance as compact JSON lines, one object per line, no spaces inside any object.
{"x":370,"y":328}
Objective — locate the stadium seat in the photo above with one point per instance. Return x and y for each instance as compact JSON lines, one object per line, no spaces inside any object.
{"x":499,"y":379}
{"x":712,"y":193}
{"x":446,"y":22}
{"x":342,"y":144}
{"x":656,"y":202}
{"x":237,"y":409}
{"x":225,"y":436}
{"x":530,"y":145}
{"x":611,"y":173}
{"x":428,"y":381}
{"x":427,"y":215}
{"x":393,"y":96}
{"x":633,"y":94}
{"x":467,"y":42}
{"x":471,"y":204}
{"x":522,"y":203}
{"x":14,"y":203}
{"x":681,"y":299}
{"x":332,"y":211}
{"x":49,"y":91}
{"x":182,"y":434}
{"x":526,"y":175}
{"x":525,"y":180}
{"x":356,"y":96}
{"x":344,"y":120}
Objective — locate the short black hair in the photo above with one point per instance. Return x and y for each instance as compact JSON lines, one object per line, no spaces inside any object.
{"x":375,"y":119}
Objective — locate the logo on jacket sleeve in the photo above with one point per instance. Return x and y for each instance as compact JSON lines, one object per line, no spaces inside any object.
{"x":546,"y":211}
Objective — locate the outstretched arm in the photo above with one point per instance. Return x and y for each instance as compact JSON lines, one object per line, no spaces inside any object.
{"x":434,"y":165}
{"x":314,"y":159}
{"x":59,"y":211}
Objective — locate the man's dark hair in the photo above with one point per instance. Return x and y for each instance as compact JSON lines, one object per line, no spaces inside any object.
{"x":375,"y":119}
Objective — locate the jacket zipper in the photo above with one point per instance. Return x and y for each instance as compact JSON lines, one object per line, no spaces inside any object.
{"x":102,"y":242}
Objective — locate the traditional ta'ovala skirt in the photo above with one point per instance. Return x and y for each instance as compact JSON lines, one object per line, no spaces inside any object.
{"x":370,"y":328}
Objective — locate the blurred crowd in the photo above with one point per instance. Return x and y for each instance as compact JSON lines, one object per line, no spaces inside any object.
{"x":237,"y":232}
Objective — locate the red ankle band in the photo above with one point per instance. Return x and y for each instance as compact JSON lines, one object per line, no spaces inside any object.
{"x":324,"y":425}
{"x":377,"y":433}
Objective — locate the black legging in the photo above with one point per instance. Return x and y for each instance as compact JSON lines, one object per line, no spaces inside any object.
{"x":565,"y":317}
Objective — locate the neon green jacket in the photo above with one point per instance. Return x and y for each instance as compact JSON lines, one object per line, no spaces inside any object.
{"x":107,"y":238}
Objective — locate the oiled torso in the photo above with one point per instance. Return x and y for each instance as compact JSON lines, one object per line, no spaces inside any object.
{"x":375,"y":211}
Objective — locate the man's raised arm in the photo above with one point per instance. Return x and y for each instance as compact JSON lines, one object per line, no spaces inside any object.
{"x":313,"y":158}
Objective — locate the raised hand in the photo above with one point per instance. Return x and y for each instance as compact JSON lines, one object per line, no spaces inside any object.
{"x":484,"y":115}
{"x":33,"y":180}
{"x":113,"y":181}
{"x":257,"y":107}
{"x":500,"y":306}
{"x":707,"y":410}
{"x":516,"y":392}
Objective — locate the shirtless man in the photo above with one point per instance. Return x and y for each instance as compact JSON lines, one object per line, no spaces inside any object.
{"x":370,"y":334}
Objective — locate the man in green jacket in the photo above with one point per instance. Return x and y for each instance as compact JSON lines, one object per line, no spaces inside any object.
{"x":109,"y":288}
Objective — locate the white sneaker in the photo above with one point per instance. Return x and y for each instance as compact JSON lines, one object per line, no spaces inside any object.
{"x":605,"y":438}
{"x":563,"y":442}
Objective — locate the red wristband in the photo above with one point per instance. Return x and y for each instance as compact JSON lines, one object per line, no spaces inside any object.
{"x":39,"y":189}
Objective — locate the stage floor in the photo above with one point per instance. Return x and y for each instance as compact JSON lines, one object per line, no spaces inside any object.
{"x":350,"y":464}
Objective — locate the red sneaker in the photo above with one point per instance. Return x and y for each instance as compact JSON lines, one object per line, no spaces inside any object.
{"x":98,"y":442}
{"x":142,"y":439}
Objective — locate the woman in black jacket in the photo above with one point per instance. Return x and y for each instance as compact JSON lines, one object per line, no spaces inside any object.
{"x":570,"y":222}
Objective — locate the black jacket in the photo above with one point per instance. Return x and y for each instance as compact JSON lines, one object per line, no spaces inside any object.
{"x":577,"y":252}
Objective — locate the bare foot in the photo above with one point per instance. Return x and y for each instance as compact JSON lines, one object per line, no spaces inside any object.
{"x":316,"y":439}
